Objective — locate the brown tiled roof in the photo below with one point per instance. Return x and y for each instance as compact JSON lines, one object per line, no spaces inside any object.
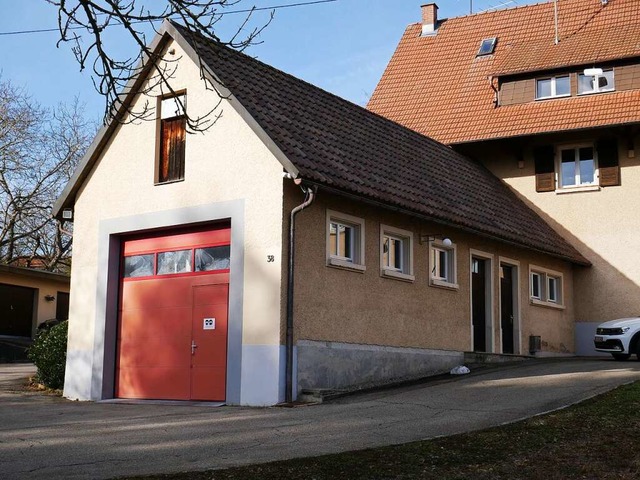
{"x":337,"y":144}
{"x":437,"y":86}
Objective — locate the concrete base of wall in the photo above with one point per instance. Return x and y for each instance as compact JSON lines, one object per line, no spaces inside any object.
{"x":343,"y":366}
{"x":585,"y":331}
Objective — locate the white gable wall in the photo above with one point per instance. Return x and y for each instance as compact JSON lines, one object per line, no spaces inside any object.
{"x":229,"y":173}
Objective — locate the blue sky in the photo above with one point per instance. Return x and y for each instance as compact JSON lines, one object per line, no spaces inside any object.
{"x":341,"y":46}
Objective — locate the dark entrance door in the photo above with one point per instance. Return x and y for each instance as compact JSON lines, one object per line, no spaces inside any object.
{"x":506,"y":307}
{"x":479,"y":304}
{"x":16,"y":310}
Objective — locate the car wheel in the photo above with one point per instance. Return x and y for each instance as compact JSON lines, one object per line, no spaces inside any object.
{"x":621,"y":357}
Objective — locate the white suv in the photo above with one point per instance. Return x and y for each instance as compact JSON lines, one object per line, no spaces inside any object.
{"x":620,"y":338}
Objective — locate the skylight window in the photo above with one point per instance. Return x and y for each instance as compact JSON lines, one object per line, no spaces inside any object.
{"x":487,"y":46}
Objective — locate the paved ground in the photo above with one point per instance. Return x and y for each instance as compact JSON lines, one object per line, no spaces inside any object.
{"x":45,"y":437}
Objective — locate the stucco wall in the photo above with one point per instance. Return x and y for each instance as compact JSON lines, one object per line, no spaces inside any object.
{"x":338,"y":305}
{"x":603,"y":225}
{"x":45,"y":310}
{"x":228,"y":162}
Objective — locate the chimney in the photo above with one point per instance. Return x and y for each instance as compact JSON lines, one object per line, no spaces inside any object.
{"x":429,"y":19}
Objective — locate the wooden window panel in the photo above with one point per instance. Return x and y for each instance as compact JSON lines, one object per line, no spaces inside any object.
{"x":609,"y":167}
{"x":173,"y":134}
{"x":545,"y":168}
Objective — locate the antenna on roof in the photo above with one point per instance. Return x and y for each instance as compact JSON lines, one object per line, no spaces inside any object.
{"x":555,"y":16}
{"x":470,"y":7}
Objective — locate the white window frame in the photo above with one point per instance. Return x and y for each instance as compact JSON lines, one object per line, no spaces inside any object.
{"x":553,"y":87}
{"x":450,"y":280}
{"x":576,"y":149}
{"x":356,"y":262}
{"x":406,"y":237}
{"x":540,"y":277}
{"x":608,"y":88}
{"x":545,"y":275}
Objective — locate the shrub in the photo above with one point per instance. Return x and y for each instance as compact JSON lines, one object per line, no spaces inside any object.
{"x":49,"y":353}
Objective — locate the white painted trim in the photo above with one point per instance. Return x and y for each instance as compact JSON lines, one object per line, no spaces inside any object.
{"x":516,"y":300}
{"x":489,"y":295}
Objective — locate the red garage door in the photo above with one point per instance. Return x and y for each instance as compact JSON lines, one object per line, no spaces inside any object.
{"x":172,"y":333}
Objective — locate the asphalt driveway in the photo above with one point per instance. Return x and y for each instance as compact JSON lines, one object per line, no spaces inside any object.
{"x":49,"y":437}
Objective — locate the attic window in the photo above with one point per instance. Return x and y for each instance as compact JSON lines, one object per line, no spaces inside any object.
{"x":172,"y":129}
{"x":487,"y":46}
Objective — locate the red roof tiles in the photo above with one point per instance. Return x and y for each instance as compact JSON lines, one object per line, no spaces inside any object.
{"x":437,"y":86}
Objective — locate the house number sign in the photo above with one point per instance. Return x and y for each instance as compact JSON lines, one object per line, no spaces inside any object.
{"x":209,"y":324}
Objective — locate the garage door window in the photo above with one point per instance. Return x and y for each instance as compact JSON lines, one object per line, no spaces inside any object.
{"x":138,"y":266}
{"x":174,"y":262}
{"x":212,"y":258}
{"x":177,"y":262}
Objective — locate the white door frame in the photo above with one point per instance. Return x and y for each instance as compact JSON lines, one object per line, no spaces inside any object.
{"x":517,"y":333}
{"x":489,"y":299}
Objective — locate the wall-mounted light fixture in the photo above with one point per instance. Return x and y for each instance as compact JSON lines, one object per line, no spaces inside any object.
{"x":431,"y":237}
{"x":49,"y":298}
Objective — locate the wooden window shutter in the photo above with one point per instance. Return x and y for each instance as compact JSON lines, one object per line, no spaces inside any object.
{"x":545,"y":168}
{"x":173,"y":135}
{"x":608,"y":165}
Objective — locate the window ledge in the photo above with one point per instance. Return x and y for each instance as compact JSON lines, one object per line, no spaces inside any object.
{"x":443,"y":284}
{"x":542,"y":303}
{"x":345,"y":265}
{"x":586,"y":188}
{"x":596,"y":92}
{"x":168,"y":182}
{"x":397,"y":275}
{"x":553,"y":97}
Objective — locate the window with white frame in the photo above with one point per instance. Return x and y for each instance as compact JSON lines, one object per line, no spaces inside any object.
{"x":577,"y":165}
{"x":345,"y":240}
{"x":536,"y":285}
{"x":442,"y":264}
{"x":545,"y":286}
{"x":553,"y":87}
{"x":396,"y":256}
{"x":596,"y":83}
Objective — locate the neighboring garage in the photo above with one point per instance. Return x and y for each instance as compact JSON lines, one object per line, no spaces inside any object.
{"x":17,"y":305}
{"x":29,"y":297}
{"x":172,"y":317}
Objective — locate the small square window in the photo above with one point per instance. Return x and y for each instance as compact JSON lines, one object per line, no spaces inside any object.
{"x":173,"y":122}
{"x":553,"y":87}
{"x":546,"y":287}
{"x":487,"y":46}
{"x":443,"y":264}
{"x":596,"y":83}
{"x":345,"y":240}
{"x":396,"y":256}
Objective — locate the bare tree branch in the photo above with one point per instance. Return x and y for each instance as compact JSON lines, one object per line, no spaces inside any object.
{"x":39,"y":150}
{"x":111,"y":73}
